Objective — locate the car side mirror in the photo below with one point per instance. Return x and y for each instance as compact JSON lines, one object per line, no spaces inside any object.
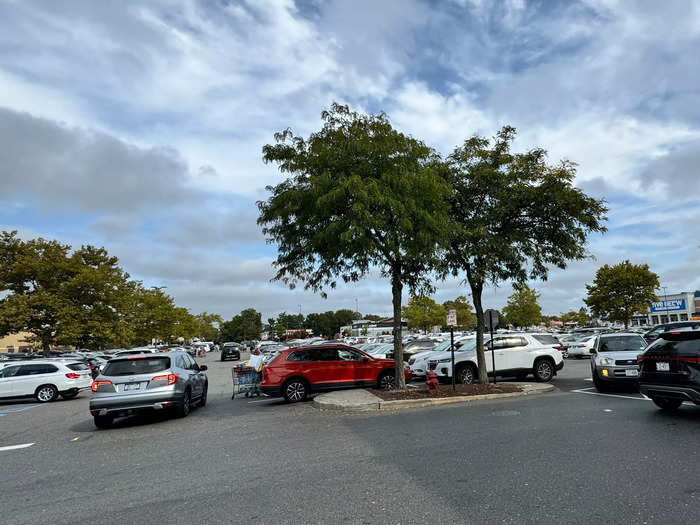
{"x":203,"y":368}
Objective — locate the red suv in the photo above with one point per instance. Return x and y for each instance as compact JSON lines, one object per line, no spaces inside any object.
{"x":297,"y":372}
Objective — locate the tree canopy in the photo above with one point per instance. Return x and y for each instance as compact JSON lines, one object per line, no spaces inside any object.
{"x":81,"y":298}
{"x":358,"y":195}
{"x":522,"y":309}
{"x":619,"y":291}
{"x":423,"y":312}
{"x":513,"y":217}
{"x":245,"y":326}
{"x":465,"y":315}
{"x":580,"y":318}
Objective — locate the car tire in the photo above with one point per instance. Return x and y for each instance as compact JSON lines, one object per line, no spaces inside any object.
{"x":295,"y":390}
{"x":183,"y":409}
{"x":543,"y":370}
{"x":665,"y":403}
{"x":46,"y":393}
{"x":70,"y":395}
{"x":467,"y":375}
{"x":203,"y":399}
{"x":387,"y":380}
{"x":103,"y":422}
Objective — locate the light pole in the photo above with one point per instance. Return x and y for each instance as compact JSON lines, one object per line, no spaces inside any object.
{"x":300,"y":318}
{"x":668,"y":319}
{"x":357,"y":307}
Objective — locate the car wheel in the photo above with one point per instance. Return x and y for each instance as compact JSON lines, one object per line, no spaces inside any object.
{"x":70,"y":395}
{"x":184,"y":408}
{"x":665,"y":403}
{"x":46,"y":393}
{"x":543,"y":370}
{"x":103,"y":421}
{"x":203,"y":399}
{"x":295,"y":390}
{"x":466,"y":375}
{"x":387,"y":381}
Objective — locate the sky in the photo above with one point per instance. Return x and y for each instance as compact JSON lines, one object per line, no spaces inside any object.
{"x":139,"y":126}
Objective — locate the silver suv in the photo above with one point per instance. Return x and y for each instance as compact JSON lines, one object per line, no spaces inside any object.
{"x":142,"y":382}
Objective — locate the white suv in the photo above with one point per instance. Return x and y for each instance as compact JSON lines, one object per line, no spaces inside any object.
{"x":43,"y":379}
{"x":515,"y":355}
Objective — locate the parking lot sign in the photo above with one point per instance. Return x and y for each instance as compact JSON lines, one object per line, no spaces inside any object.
{"x":451,"y":317}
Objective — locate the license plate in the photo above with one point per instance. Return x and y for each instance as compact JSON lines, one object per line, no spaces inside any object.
{"x":132,"y":386}
{"x":662,"y":367}
{"x":632,"y":373}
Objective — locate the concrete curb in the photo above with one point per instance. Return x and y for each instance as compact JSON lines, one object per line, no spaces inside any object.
{"x":363,"y":401}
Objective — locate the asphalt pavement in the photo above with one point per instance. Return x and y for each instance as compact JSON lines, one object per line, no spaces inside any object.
{"x":571,"y":456}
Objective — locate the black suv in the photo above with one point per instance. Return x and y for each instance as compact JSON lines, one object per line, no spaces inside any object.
{"x":659,"y":329}
{"x":670,"y":369}
{"x":230,"y":351}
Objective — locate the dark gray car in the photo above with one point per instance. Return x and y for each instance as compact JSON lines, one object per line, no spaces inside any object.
{"x":143,"y":382}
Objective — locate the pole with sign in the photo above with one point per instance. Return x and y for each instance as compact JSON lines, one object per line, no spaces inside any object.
{"x":452,"y":322}
{"x":491,"y":319}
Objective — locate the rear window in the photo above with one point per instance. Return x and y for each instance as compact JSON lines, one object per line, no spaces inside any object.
{"x":546,"y":339}
{"x":139,"y":365}
{"x":665,"y":348}
{"x":77,"y":366}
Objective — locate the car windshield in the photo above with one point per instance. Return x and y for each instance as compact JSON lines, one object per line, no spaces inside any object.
{"x":145,"y":365}
{"x":622,"y":343}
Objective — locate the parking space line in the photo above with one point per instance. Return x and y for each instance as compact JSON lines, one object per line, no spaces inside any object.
{"x":586,"y":391}
{"x":15,"y":410}
{"x":15,"y":447}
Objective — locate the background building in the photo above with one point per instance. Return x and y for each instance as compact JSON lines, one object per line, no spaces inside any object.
{"x":683,"y":306}
{"x":16,"y":343}
{"x":365,"y":328}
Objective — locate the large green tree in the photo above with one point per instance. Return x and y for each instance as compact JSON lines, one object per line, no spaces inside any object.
{"x":513,"y":217}
{"x":60,"y":297}
{"x":207,"y":326}
{"x":465,"y":315}
{"x":245,"y":326}
{"x":359,"y":195}
{"x":522,"y":309}
{"x":423,"y":312}
{"x":619,"y":291}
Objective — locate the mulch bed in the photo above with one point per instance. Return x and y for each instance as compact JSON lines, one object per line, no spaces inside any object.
{"x":446,"y":391}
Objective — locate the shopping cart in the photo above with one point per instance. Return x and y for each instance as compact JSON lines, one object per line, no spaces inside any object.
{"x":246,"y":380}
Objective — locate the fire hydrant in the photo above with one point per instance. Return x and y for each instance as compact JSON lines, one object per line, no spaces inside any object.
{"x":431,"y":381}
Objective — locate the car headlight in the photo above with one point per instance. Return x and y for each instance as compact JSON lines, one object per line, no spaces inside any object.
{"x":448,"y":360}
{"x":607,"y":361}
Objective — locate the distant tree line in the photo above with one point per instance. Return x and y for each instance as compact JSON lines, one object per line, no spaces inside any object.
{"x":83,"y":298}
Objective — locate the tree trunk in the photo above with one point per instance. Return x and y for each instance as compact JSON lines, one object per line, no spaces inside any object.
{"x":396,"y":290}
{"x":477,"y":288}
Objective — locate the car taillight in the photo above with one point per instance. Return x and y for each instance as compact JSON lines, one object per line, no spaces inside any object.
{"x":558,"y":347}
{"x":171,"y":378}
{"x":96,"y":384}
{"x":73,"y":375}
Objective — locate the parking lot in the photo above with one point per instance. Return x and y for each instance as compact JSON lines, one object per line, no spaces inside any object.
{"x":572,"y":456}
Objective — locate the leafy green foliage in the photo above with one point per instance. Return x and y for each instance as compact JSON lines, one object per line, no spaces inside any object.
{"x":245,"y":326}
{"x":423,"y":312}
{"x":465,"y":315}
{"x":513,"y":217}
{"x":619,"y":291}
{"x":81,"y":298}
{"x":522,"y":309}
{"x":581,"y":317}
{"x":359,"y":195}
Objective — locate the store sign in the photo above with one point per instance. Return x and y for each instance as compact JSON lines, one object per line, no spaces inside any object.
{"x":672,"y":305}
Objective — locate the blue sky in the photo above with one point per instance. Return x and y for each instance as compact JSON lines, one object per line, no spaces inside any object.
{"x":138,"y":126}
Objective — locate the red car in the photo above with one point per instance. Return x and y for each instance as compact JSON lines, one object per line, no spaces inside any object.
{"x":295,"y":373}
